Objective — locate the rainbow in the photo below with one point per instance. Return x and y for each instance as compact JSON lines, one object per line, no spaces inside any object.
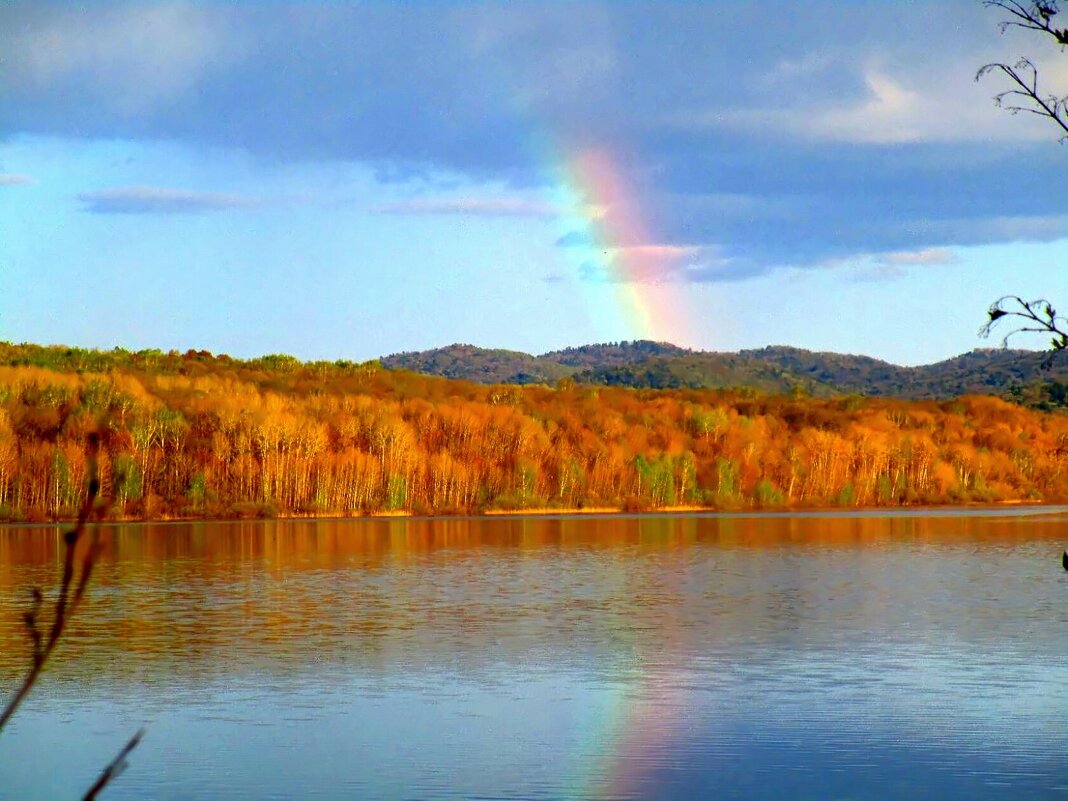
{"x":624,"y":272}
{"x":629,"y":284}
{"x":621,"y":731}
{"x":625,"y":723}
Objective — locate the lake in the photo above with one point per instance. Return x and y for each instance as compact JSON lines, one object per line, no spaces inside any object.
{"x":919,"y":654}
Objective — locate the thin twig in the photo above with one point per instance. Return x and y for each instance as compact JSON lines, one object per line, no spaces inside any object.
{"x":115,"y":767}
{"x":1049,"y":106}
{"x":65,"y":604}
{"x":1031,"y":317}
{"x":71,"y":592}
{"x":1036,"y":16}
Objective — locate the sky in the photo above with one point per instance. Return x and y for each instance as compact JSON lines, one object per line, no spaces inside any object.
{"x":348,"y":180}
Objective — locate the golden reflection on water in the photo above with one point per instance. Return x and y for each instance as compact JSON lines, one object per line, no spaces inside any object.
{"x":739,"y":657}
{"x":220,"y":598}
{"x":309,"y":544}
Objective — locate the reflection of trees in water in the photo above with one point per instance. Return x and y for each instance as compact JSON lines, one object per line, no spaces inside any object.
{"x":195,"y":602}
{"x":47,"y":622}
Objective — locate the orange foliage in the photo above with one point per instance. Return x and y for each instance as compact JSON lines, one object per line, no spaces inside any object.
{"x":225,"y":438}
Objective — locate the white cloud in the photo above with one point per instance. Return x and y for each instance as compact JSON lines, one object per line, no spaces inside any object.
{"x":925,"y":256}
{"x":14,"y":179}
{"x":888,"y":265}
{"x":656,"y":264}
{"x":889,"y":114}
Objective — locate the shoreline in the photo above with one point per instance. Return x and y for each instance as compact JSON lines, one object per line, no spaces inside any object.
{"x":600,"y":511}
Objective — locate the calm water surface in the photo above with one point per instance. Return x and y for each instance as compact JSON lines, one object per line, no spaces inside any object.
{"x":908,"y":656}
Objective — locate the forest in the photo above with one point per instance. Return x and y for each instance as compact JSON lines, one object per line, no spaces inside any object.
{"x":201,"y":436}
{"x":1019,"y":375}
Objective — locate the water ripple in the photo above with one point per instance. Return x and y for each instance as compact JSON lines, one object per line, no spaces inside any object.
{"x":619,"y":658}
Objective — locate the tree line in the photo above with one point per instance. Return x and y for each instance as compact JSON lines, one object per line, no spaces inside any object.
{"x":195,"y":435}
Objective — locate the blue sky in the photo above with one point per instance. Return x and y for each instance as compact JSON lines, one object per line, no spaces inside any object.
{"x":349,"y":180}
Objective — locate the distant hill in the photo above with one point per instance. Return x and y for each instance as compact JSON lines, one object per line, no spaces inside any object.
{"x":703,"y":371}
{"x":484,"y":365}
{"x":985,"y":371}
{"x":1016,"y":374}
{"x":846,"y":373}
{"x":610,"y":354}
{"x":496,"y":366}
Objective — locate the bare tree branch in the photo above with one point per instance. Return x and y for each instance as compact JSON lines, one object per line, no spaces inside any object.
{"x":115,"y":767}
{"x":1031,"y":317}
{"x":65,"y":605}
{"x":1035,"y":16}
{"x":73,"y":582}
{"x":1025,"y":75}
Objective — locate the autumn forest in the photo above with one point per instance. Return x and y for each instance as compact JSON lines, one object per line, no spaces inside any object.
{"x":197,"y":435}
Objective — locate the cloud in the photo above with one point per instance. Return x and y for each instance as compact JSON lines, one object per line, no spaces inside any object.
{"x":925,"y":256}
{"x":489,"y":85}
{"x":928,"y":110}
{"x":130,"y":57}
{"x":821,"y":131}
{"x":891,"y":113}
{"x":660,"y":253}
{"x":574,"y":239}
{"x":986,"y":229}
{"x":877,"y":273}
{"x":806,"y":66}
{"x":597,"y":272}
{"x":894,"y":110}
{"x":469,"y":206}
{"x":15,"y":179}
{"x":155,"y":200}
{"x":880,"y":267}
{"x":656,"y":263}
{"x":659,"y":264}
{"x":723,"y":270}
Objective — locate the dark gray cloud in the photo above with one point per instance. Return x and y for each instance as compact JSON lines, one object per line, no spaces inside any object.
{"x":820,"y":131}
{"x":155,"y":200}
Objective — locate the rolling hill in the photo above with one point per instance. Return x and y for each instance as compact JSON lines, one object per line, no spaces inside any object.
{"x":658,"y":365}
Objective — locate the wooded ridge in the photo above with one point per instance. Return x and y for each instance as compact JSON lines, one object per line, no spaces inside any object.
{"x":196,"y":435}
{"x":1013,"y":374}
